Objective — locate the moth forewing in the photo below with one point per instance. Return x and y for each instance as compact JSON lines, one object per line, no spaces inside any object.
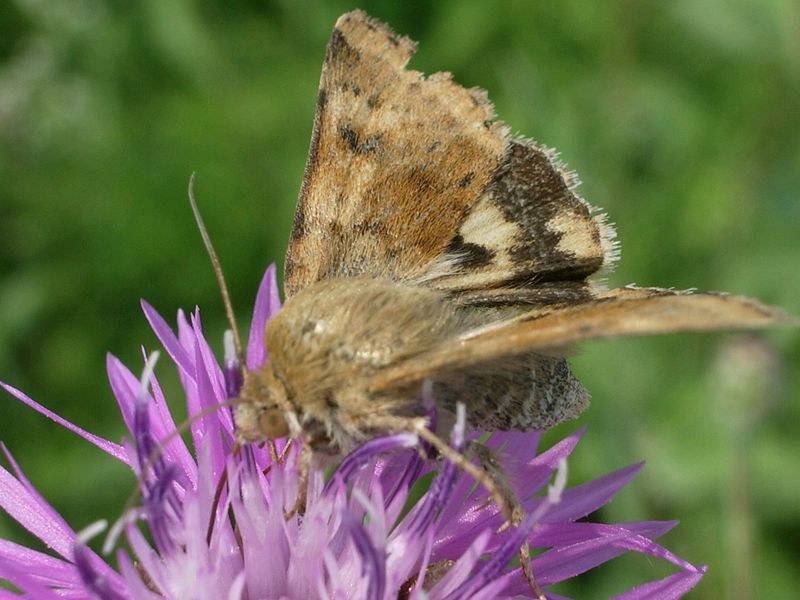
{"x":631,"y":312}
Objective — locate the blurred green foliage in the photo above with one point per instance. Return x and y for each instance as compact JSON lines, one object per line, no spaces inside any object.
{"x":683,"y":119}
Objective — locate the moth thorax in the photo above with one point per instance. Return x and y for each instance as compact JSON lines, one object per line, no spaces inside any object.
{"x":260,"y":415}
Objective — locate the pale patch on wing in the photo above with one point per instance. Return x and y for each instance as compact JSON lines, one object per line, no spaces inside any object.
{"x":479,"y":255}
{"x":574,"y":239}
{"x":486,"y":225}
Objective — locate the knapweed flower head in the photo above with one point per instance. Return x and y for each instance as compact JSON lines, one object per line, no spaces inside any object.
{"x":214,"y":523}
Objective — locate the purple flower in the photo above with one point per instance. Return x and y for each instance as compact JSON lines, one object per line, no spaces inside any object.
{"x":358,"y":537}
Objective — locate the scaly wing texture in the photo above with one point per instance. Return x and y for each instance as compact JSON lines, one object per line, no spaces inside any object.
{"x":525,"y":392}
{"x":621,"y":312}
{"x":409,"y":178}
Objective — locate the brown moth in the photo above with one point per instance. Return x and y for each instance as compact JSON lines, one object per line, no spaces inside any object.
{"x":431,"y":244}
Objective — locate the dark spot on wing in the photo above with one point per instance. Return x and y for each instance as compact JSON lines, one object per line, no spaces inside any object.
{"x":370,"y":144}
{"x":373,"y":227}
{"x":373,"y":101}
{"x":355,"y":142}
{"x":349,"y":136}
{"x":466,"y":180}
{"x":339,"y":50}
{"x":468,"y":254}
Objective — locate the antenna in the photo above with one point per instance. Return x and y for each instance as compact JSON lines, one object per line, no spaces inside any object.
{"x":212,"y":254}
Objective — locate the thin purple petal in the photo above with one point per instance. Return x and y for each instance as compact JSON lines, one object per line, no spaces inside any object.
{"x":536,"y":473}
{"x":441,"y":489}
{"x":668,"y":588}
{"x":209,"y":427}
{"x":106,"y":446}
{"x":373,"y":560}
{"x":46,"y":569}
{"x":587,"y":498}
{"x":465,"y":563}
{"x":267,"y":304}
{"x":125,"y":387}
{"x":206,"y":362}
{"x":366,"y":453}
{"x":134,"y":579}
{"x":26,"y":582}
{"x":499,"y":559}
{"x":563,"y":563}
{"x":28,"y":508}
{"x":96,"y":582}
{"x":558,"y":535}
{"x":168,"y":339}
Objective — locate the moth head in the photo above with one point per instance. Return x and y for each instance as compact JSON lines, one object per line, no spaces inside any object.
{"x":261,"y":411}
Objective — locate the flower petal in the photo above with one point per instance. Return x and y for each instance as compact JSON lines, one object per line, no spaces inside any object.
{"x":498,"y":560}
{"x":267,"y":304}
{"x":138,"y":588}
{"x":569,"y":561}
{"x":46,"y":569}
{"x":210,"y":427}
{"x":674,"y":586}
{"x":584,"y":499}
{"x":373,"y":560}
{"x":26,"y":506}
{"x":106,"y":446}
{"x":26,"y":582}
{"x":168,"y":339}
{"x":94,"y":580}
{"x":559,"y":535}
{"x":206,"y":362}
{"x":125,"y":387}
{"x":460,"y":571}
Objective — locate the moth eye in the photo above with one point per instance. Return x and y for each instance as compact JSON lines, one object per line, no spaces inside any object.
{"x":273,"y":424}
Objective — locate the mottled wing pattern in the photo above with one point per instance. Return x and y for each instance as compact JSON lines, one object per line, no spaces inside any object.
{"x":621,"y":312}
{"x":409,"y":178}
{"x":396,"y":161}
{"x":528,"y":239}
{"x":520,"y":393}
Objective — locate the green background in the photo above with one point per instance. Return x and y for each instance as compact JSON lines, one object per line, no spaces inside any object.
{"x":682,"y":118}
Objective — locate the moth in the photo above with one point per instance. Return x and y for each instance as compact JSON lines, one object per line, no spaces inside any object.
{"x":431,"y":244}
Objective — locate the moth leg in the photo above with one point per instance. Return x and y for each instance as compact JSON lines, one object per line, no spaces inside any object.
{"x":508,"y":504}
{"x":303,"y":468}
{"x":490,"y":463}
{"x":273,"y":452}
{"x":284,"y":453}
